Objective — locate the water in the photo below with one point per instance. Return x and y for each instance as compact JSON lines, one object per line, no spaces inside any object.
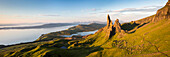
{"x":81,"y":33}
{"x":14,"y":36}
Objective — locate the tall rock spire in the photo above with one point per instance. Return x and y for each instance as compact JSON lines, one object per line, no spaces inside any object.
{"x":110,"y":29}
{"x":117,"y":26}
{"x":109,"y":22}
{"x":109,"y":26}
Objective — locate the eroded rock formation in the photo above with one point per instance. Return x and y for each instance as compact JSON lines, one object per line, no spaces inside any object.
{"x":117,"y":26}
{"x":111,"y":29}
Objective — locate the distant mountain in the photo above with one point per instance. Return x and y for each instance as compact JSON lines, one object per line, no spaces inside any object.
{"x":99,"y":22}
{"x":71,"y":30}
{"x":19,"y":24}
{"x":50,"y":25}
{"x":88,"y":22}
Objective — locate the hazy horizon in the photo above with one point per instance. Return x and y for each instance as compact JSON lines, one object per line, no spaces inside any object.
{"x":66,"y":11}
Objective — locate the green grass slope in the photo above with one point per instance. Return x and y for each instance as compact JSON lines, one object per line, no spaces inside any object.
{"x":150,"y":40}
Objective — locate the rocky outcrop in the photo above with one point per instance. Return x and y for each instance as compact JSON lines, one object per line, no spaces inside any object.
{"x":103,"y":35}
{"x":109,"y":22}
{"x":163,"y":13}
{"x":108,"y":28}
{"x":111,"y":29}
{"x":117,"y":26}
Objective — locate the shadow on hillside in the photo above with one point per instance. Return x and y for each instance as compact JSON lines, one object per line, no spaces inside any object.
{"x":142,"y":25}
{"x":128,"y":26}
{"x":138,"y":27}
{"x":76,"y":52}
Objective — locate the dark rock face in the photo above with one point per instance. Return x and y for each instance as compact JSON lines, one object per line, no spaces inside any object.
{"x":117,"y":26}
{"x":110,"y":27}
{"x":163,"y":13}
{"x":109,"y":22}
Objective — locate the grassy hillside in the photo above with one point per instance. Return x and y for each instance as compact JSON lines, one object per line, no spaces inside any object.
{"x":150,"y":40}
{"x":46,"y":49}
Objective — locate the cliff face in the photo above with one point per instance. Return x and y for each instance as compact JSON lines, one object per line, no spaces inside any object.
{"x":163,"y":13}
{"x":109,"y":27}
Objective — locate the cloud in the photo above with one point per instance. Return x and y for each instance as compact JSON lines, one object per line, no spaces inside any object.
{"x":50,"y":15}
{"x":129,"y":14}
{"x":94,"y":9}
{"x":142,"y":9}
{"x":129,"y":17}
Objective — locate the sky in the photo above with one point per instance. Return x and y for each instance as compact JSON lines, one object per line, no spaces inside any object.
{"x":61,"y":11}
